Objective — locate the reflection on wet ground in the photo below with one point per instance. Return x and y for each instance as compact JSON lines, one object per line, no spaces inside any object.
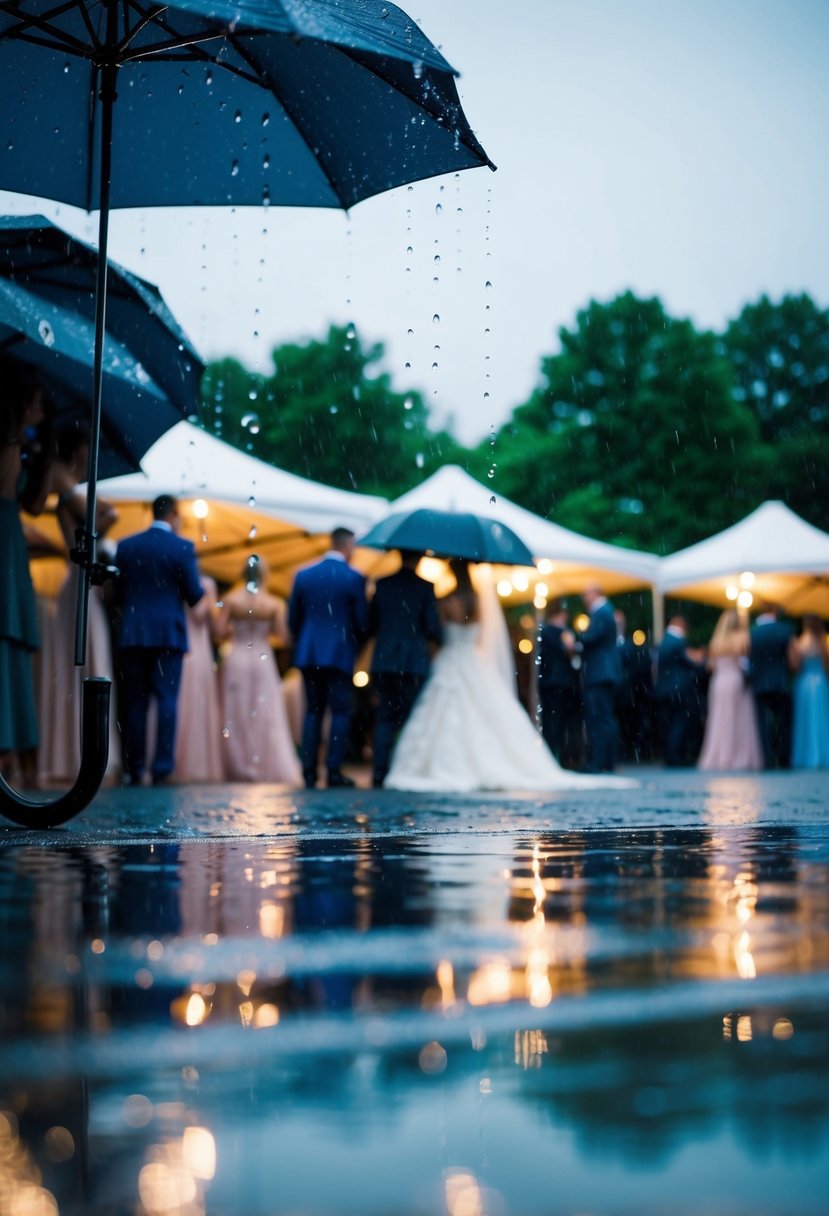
{"x":628,"y":1021}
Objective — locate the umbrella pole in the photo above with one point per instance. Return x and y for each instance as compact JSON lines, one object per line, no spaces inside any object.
{"x":86,"y":552}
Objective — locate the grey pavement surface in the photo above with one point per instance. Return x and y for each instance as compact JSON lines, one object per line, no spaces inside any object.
{"x":682,"y":798}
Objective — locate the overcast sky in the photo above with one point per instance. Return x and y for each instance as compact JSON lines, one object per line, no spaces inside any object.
{"x":676,"y":147}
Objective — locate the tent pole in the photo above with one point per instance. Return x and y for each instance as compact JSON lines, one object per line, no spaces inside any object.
{"x":658,"y":602}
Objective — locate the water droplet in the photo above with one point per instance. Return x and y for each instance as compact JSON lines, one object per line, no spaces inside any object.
{"x":419,"y":460}
{"x":234,"y":169}
{"x":410,"y":332}
{"x":436,"y":319}
{"x":409,"y":250}
{"x":252,"y":532}
{"x":266,"y":161}
{"x":333,"y":409}
{"x":438,"y":208}
{"x":408,"y":404}
{"x":384,"y":12}
{"x":252,"y":500}
{"x":237,"y":117}
{"x":437,"y":257}
{"x":66,"y":67}
{"x":492,"y":500}
{"x":487,"y":285}
{"x":351,"y":331}
{"x":417,"y":68}
{"x":208,"y":77}
{"x":226,"y":732}
{"x":266,"y":197}
{"x":266,"y":118}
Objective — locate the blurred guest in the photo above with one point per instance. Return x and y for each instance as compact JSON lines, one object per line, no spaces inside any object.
{"x":60,"y":680}
{"x":159,"y":575}
{"x":600,"y":673}
{"x":770,"y":674}
{"x":678,"y":693}
{"x":327,"y":617}
{"x":199,"y":734}
{"x":558,"y":688}
{"x":810,"y":655}
{"x":256,"y":735}
{"x":634,"y":694}
{"x":732,"y":737}
{"x":25,"y":452}
{"x":403,"y":620}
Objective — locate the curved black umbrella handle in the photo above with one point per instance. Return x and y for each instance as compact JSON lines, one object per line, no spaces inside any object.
{"x":36,"y":813}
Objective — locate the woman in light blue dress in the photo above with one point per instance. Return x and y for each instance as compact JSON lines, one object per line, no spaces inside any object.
{"x":810,"y":736}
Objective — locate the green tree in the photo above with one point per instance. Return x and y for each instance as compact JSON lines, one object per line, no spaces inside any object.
{"x":780,"y":355}
{"x":329,"y":412}
{"x":634,"y":434}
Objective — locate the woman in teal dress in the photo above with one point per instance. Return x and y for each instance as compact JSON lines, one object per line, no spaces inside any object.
{"x":24,"y":464}
{"x":810,"y":734}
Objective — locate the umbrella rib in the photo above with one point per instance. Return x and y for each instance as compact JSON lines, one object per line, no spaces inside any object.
{"x":64,"y":41}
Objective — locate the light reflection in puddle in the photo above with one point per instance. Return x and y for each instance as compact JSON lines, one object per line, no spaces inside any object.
{"x":420,"y":1024}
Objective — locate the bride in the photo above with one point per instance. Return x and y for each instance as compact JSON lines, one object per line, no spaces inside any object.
{"x":468,"y":730}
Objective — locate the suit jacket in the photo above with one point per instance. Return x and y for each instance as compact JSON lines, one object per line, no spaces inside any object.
{"x":554,"y":668}
{"x":677,"y":674}
{"x":327,"y":615}
{"x":768,"y":656}
{"x":403,"y":617}
{"x":600,"y":654}
{"x":159,"y":575}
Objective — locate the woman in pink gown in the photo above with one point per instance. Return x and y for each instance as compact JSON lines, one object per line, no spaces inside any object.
{"x":257,"y":743}
{"x":732,"y":737}
{"x":59,"y":755}
{"x":199,"y":732}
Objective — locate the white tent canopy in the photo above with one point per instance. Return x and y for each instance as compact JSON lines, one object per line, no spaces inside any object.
{"x":572,"y":561}
{"x":772,"y":555}
{"x":232,"y":505}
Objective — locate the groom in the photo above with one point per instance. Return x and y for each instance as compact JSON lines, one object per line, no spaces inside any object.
{"x":403,"y":620}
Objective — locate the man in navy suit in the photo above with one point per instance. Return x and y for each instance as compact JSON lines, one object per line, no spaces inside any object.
{"x":601,"y":675}
{"x":770,"y":675}
{"x":678,"y":692}
{"x":158,"y":576}
{"x":327,"y":617}
{"x":403,"y":618}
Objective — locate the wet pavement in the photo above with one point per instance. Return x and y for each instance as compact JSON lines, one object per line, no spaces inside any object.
{"x":242,"y":999}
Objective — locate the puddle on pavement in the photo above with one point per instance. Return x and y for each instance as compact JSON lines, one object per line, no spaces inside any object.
{"x":477,"y":1026}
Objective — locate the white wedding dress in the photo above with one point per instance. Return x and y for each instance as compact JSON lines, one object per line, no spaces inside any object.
{"x":468,"y":731}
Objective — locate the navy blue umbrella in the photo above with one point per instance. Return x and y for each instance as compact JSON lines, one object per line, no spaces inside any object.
{"x":311,"y":103}
{"x":476,"y":538}
{"x":59,"y":344}
{"x":39,"y":256}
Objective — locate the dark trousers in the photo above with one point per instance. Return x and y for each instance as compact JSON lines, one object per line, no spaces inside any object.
{"x":560,"y":722}
{"x":149,"y":672}
{"x":396,"y":695}
{"x":679,"y":718}
{"x":600,"y":727}
{"x":325,"y":688}
{"x":774,"y":717}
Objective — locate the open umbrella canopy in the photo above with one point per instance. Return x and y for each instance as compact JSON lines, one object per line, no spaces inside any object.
{"x":771,"y":555}
{"x":58,"y":343}
{"x":40,"y":256}
{"x":477,"y":538}
{"x":289,"y":102}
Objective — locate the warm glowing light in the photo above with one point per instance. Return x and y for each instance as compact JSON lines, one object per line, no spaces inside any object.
{"x":155,"y":951}
{"x":530,"y":1046}
{"x":639,"y":637}
{"x":542,"y":590}
{"x":446,"y":983}
{"x":539,"y":991}
{"x":782,"y":1029}
{"x":136,"y":1110}
{"x":582,"y":622}
{"x":463,"y":1195}
{"x":747,"y":580}
{"x":520,"y":580}
{"x":197,"y":1010}
{"x":731,"y":592}
{"x":745,"y":599}
{"x":164,"y":1188}
{"x":525,"y":646}
{"x":198,"y":1151}
{"x":97,"y":946}
{"x":271,"y":920}
{"x":504,"y":587}
{"x":200,"y":508}
{"x":545,"y":566}
{"x":246,"y":1013}
{"x":266,"y":1015}
{"x":744,"y":959}
{"x":430,"y":568}
{"x":539,"y":602}
{"x":744,"y":1031}
{"x":360,"y":679}
{"x":491,"y":984}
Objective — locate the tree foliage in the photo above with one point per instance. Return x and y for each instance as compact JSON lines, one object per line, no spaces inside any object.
{"x":328,"y":412}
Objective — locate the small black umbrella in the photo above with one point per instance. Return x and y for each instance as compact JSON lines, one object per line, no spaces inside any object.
{"x":476,"y":538}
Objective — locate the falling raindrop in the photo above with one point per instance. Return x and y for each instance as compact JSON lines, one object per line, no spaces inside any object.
{"x":252,"y":500}
{"x":487,"y":285}
{"x":436,"y":319}
{"x":252,"y":532}
{"x":208,"y":77}
{"x":419,"y":460}
{"x":66,"y":68}
{"x":410,"y":332}
{"x":266,"y":118}
{"x":234,"y":169}
{"x":266,"y":161}
{"x":237,"y":117}
{"x":417,"y":69}
{"x":408,"y":404}
{"x":492,"y":500}
{"x":438,"y":208}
